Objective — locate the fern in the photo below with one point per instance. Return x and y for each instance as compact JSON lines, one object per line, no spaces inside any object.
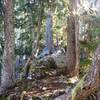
{"x":78,"y":87}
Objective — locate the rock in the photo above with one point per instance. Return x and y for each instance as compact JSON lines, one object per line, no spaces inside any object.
{"x":32,"y":98}
{"x":45,"y":52}
{"x":49,"y":62}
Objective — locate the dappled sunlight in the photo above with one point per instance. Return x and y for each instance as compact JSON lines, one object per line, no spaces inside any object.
{"x":47,"y":49}
{"x":73,"y":79}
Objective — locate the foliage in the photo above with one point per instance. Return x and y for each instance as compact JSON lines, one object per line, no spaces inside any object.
{"x":78,"y":87}
{"x":89,"y":48}
{"x":84,"y":66}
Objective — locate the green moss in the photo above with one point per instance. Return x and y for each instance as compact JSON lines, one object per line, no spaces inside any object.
{"x":4,"y":98}
{"x":85,"y":65}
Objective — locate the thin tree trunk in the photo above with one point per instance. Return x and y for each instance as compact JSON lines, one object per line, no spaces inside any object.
{"x":34,"y":46}
{"x":40,"y":13}
{"x":8,"y":74}
{"x":28,"y":64}
{"x":77,"y":45}
{"x":57,"y":42}
{"x":32,"y":30}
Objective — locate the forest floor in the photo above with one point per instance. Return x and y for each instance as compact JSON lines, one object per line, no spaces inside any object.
{"x":45,"y":83}
{"x":47,"y":88}
{"x":50,"y":87}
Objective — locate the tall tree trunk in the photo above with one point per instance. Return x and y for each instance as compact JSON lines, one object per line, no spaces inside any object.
{"x":49,"y":35}
{"x":40,"y":14}
{"x":8,"y":75}
{"x":77,"y":45}
{"x":71,"y":54}
{"x":32,"y":30}
{"x":72,"y":41}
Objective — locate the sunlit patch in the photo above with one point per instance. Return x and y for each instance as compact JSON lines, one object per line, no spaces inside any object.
{"x":88,"y":6}
{"x":73,"y":79}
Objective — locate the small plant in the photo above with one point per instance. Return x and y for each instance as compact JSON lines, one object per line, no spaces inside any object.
{"x":78,"y":87}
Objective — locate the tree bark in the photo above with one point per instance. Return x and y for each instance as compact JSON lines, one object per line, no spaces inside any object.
{"x":40,"y":14}
{"x":49,"y":35}
{"x":92,"y":80}
{"x":77,"y":66}
{"x":72,"y":41}
{"x":71,"y":54}
{"x":28,"y":64}
{"x":8,"y":74}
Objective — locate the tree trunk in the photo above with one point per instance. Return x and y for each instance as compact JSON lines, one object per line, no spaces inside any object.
{"x":49,"y":35}
{"x":28,"y":64}
{"x":40,"y":14}
{"x":92,"y":80}
{"x":72,"y":41}
{"x":32,"y":30}
{"x":72,"y":47}
{"x":38,"y":32}
{"x":71,"y":55}
{"x":8,"y":75}
{"x":35,"y":44}
{"x":77,"y":66}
